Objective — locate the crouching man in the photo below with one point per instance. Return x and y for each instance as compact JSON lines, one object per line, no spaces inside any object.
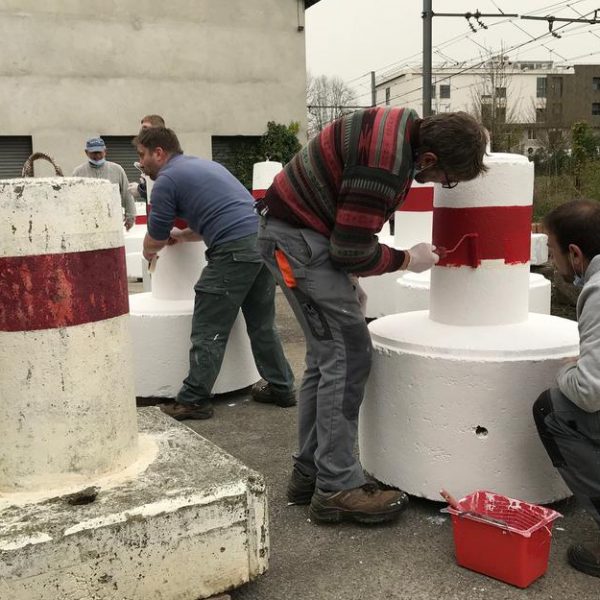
{"x":568,"y":416}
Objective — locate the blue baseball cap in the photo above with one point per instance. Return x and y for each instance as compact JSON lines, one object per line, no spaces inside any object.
{"x":95,"y":145}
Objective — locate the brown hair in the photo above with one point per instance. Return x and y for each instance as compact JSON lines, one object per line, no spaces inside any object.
{"x":458,"y":141}
{"x":576,"y":222}
{"x":154,"y":120}
{"x":158,"y":137}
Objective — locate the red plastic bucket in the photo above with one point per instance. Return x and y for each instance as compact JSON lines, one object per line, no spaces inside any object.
{"x":513,"y":548}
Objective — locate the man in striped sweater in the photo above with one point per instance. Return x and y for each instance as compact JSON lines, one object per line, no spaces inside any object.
{"x":318,"y":231}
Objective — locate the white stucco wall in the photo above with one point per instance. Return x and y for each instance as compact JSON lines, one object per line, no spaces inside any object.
{"x":70,"y":70}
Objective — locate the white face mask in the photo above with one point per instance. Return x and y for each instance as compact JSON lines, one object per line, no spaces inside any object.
{"x":97,"y":163}
{"x":578,"y":280}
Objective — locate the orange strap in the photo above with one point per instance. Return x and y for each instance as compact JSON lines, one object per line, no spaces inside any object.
{"x":286,"y":269}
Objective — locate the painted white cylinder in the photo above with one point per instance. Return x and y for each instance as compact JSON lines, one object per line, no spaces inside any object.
{"x":263,"y":174}
{"x":539,"y":249}
{"x":448,"y":402}
{"x":134,"y":243}
{"x":495,"y":291}
{"x":161,"y":322}
{"x":67,"y":406}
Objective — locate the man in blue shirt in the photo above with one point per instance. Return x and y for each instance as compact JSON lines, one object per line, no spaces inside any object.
{"x":220,"y":211}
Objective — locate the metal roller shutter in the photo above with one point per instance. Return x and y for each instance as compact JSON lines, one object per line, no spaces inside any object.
{"x":120,"y":150}
{"x":14,"y":151}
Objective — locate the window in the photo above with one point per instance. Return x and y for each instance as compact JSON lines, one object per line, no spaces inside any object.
{"x":501,"y":114}
{"x":14,"y":151}
{"x":596,"y":84}
{"x":388,"y":95}
{"x":444,"y":91}
{"x":500,"y":92}
{"x":120,"y":150}
{"x":540,"y":115}
{"x":531,"y":134}
{"x":596,"y":108}
{"x":541,"y":87}
{"x":557,"y":86}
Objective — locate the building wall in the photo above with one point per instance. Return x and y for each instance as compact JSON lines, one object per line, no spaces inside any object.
{"x":570,"y":97}
{"x":70,"y":70}
{"x":521,"y":97}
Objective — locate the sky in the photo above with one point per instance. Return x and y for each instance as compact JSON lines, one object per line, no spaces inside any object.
{"x":351,"y":38}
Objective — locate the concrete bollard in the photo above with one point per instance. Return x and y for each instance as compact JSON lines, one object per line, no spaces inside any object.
{"x":65,"y":411}
{"x":263,"y":174}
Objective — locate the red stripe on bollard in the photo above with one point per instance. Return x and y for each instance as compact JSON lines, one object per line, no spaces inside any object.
{"x":259,"y":194}
{"x":49,"y":291}
{"x":418,"y":199}
{"x":141,"y":219}
{"x":502,"y":232}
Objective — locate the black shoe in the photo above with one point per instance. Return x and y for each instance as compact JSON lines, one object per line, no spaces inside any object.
{"x":181,"y":412}
{"x":265,"y":393}
{"x":300,"y":488}
{"x":585,"y":558}
{"x":365,"y":504}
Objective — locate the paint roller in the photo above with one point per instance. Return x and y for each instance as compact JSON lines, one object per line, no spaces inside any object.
{"x":471,"y":249}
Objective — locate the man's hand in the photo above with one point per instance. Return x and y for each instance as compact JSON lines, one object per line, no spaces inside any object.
{"x":129,"y":222}
{"x":421,"y":257}
{"x":176,"y":236}
{"x":360,"y":293}
{"x":149,"y":255}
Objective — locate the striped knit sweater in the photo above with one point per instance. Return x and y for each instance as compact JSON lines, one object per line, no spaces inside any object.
{"x":347,"y":182}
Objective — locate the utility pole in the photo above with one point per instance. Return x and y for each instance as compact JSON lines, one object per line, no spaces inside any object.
{"x":373,"y":90}
{"x":428,"y":15}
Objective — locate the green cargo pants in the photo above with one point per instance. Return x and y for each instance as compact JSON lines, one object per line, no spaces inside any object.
{"x":235,"y":277}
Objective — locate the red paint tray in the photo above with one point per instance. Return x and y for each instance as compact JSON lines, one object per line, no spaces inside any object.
{"x":502,"y":537}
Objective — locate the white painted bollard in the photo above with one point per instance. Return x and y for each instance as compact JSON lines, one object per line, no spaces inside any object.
{"x":88,"y":506}
{"x":63,"y":290}
{"x":161,"y":323}
{"x":412,"y":224}
{"x":134,"y":241}
{"x":449,"y":398}
{"x":263,"y":174}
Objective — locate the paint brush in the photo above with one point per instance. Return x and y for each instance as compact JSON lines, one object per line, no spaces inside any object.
{"x":451,"y":500}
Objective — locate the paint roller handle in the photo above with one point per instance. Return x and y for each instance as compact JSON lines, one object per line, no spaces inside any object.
{"x":450,"y":499}
{"x":422,"y":257}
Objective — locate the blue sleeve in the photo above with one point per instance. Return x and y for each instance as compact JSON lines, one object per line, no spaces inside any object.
{"x":163,"y":209}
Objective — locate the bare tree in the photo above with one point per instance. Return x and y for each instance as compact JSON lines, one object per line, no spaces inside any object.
{"x":490,"y":105}
{"x":328,"y":98}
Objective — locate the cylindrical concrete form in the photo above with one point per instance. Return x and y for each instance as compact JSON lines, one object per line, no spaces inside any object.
{"x":449,"y":398}
{"x":263,"y":174}
{"x":413,"y":221}
{"x":161,"y":322}
{"x":66,"y":395}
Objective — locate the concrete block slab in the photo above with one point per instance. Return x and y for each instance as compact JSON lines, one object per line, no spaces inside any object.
{"x":191,"y":525}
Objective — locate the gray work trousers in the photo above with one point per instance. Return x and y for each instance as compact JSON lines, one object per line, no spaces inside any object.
{"x":338,"y":351}
{"x":571,"y":437}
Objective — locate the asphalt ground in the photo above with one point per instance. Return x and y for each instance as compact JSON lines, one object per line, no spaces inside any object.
{"x":412,"y":558}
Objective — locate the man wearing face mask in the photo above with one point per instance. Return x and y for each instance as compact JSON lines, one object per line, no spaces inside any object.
{"x":98,"y":167}
{"x":320,"y":220}
{"x":568,"y":416}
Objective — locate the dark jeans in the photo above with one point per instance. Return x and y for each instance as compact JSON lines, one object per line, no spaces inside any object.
{"x":235,"y":277}
{"x":571,"y":437}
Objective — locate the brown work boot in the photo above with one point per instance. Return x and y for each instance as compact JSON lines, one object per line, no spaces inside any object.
{"x":266,"y":394}
{"x":181,"y":412}
{"x":300,"y":488}
{"x":585,"y":558}
{"x":365,"y":504}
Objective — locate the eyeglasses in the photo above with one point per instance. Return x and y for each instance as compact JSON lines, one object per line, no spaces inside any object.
{"x":448,"y":184}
